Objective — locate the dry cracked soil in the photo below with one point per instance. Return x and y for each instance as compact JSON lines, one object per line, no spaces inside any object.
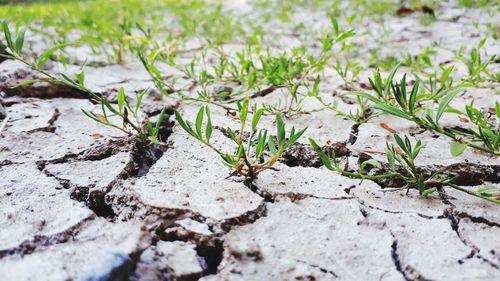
{"x":80,"y":201}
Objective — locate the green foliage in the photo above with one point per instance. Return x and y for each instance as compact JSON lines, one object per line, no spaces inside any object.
{"x":348,"y":70}
{"x":163,"y":32}
{"x":395,"y":99}
{"x":476,"y":65}
{"x":257,"y":69}
{"x":475,"y":3}
{"x":128,"y":113}
{"x":401,"y":165}
{"x":254,"y":151}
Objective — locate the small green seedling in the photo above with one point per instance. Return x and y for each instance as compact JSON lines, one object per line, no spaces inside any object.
{"x":401,"y":165}
{"x":129,"y":114}
{"x":477,"y":67}
{"x":395,"y":99}
{"x":254,"y":151}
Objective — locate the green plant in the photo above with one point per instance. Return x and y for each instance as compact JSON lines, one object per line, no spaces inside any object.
{"x":124,"y":110}
{"x":401,"y":165}
{"x":362,"y":113}
{"x":438,"y":86}
{"x":249,"y":157}
{"x":422,"y":61}
{"x":394,"y":99}
{"x":476,"y":66}
{"x":484,"y":130}
{"x":129,"y":116}
{"x":347,"y":71}
{"x":260,"y":71}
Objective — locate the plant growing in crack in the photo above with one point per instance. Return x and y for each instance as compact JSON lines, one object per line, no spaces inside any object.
{"x":477,"y":67}
{"x":395,"y":99}
{"x":360,"y":115}
{"x":348,"y":70}
{"x":261,"y":72}
{"x":129,"y":114}
{"x":402,"y":166}
{"x":254,"y":150}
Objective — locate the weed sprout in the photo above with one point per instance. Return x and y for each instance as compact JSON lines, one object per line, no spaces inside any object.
{"x":401,"y":165}
{"x":128,"y":113}
{"x":252,"y":154}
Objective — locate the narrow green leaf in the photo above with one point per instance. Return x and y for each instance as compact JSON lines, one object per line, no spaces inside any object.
{"x":417,"y":149}
{"x":280,"y":128}
{"x":444,"y":104}
{"x":344,"y":35}
{"x":199,"y":121}
{"x":44,"y":58}
{"x":413,"y":98}
{"x":252,"y":77}
{"x":390,"y":157}
{"x":91,"y":115}
{"x":261,"y":144}
{"x":481,"y":43}
{"x":209,"y":128}
{"x":8,"y":36}
{"x":368,"y":97}
{"x":67,"y":79}
{"x":322,"y":155}
{"x":489,"y":191}
{"x":271,"y":145}
{"x":139,"y":99}
{"x":428,"y":191}
{"x":150,"y":128}
{"x":232,"y":134}
{"x":29,"y":82}
{"x":20,"y":40}
{"x":296,"y":136}
{"x":393,"y":111}
{"x":256,"y":118}
{"x":121,"y":99}
{"x":446,"y":74}
{"x":228,"y":159}
{"x":244,"y":111}
{"x":389,"y":83}
{"x":335,"y":24}
{"x":161,"y":117}
{"x":181,"y":122}
{"x":80,"y":77}
{"x":401,"y":143}
{"x":106,"y":103}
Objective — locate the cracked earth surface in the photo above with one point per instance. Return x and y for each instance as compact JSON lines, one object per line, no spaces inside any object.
{"x":79,"y":201}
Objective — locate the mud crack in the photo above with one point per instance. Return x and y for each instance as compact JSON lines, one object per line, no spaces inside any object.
{"x":322,"y":269}
{"x":408,"y":272}
{"x":454,"y":217}
{"x":29,"y":246}
{"x":50,"y":124}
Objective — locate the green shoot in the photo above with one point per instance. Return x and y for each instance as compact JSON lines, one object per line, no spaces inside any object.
{"x":395,"y":99}
{"x":128,"y":113}
{"x":401,"y":165}
{"x":254,"y":150}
